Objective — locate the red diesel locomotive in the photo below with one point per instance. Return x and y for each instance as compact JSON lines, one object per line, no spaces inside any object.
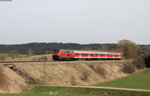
{"x":84,"y":55}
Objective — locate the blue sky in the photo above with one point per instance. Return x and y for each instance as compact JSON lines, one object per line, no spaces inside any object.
{"x":76,"y":21}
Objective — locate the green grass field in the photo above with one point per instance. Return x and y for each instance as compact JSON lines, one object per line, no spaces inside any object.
{"x":3,"y":55}
{"x":66,"y":91}
{"x":140,"y":80}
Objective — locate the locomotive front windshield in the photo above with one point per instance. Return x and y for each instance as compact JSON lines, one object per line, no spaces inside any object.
{"x":66,"y":51}
{"x":56,"y":51}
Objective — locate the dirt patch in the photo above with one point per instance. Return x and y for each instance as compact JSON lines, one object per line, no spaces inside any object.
{"x":11,"y":82}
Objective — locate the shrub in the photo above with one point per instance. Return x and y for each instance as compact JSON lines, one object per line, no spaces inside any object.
{"x":147,"y":61}
{"x":129,"y":48}
{"x":92,"y":66}
{"x":73,"y":80}
{"x":84,"y":75}
{"x":98,"y":69}
{"x":139,"y":62}
{"x":128,"y":68}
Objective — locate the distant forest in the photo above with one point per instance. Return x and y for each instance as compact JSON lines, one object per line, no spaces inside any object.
{"x":41,"y":48}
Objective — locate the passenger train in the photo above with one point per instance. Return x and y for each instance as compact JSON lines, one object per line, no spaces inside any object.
{"x":61,"y":54}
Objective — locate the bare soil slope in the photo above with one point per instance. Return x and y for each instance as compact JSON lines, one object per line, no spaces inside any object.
{"x":10,"y":82}
{"x":73,"y":74}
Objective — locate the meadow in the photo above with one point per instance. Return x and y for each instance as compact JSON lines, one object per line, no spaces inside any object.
{"x":139,"y":80}
{"x":70,"y":91}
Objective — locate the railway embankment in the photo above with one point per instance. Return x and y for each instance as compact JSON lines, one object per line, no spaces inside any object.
{"x":17,"y":78}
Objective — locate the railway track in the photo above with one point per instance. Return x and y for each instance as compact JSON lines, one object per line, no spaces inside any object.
{"x":57,"y":62}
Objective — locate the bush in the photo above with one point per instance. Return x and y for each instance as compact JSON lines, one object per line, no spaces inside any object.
{"x":147,"y":61}
{"x":92,"y":66}
{"x":139,"y":62}
{"x":129,"y":68}
{"x":73,"y":80}
{"x":101,"y":70}
{"x":84,"y":75}
{"x":98,"y":69}
{"x":129,"y":48}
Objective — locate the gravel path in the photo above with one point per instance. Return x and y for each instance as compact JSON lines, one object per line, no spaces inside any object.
{"x":127,"y":89}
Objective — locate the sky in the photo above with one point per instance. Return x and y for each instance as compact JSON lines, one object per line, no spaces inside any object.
{"x":74,"y":21}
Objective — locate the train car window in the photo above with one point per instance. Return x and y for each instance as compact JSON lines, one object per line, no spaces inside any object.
{"x":77,"y":54}
{"x":101,"y":54}
{"x":65,"y":51}
{"x":91,"y":54}
{"x":84,"y":54}
{"x":96,"y":54}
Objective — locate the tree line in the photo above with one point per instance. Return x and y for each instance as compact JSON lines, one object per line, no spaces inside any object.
{"x":128,"y":48}
{"x":41,"y":48}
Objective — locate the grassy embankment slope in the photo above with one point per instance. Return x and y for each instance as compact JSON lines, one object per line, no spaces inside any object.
{"x":34,"y":58}
{"x":25,"y":57}
{"x":140,"y":80}
{"x":3,"y":55}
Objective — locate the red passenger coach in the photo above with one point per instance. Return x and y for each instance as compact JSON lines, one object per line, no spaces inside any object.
{"x":85,"y":55}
